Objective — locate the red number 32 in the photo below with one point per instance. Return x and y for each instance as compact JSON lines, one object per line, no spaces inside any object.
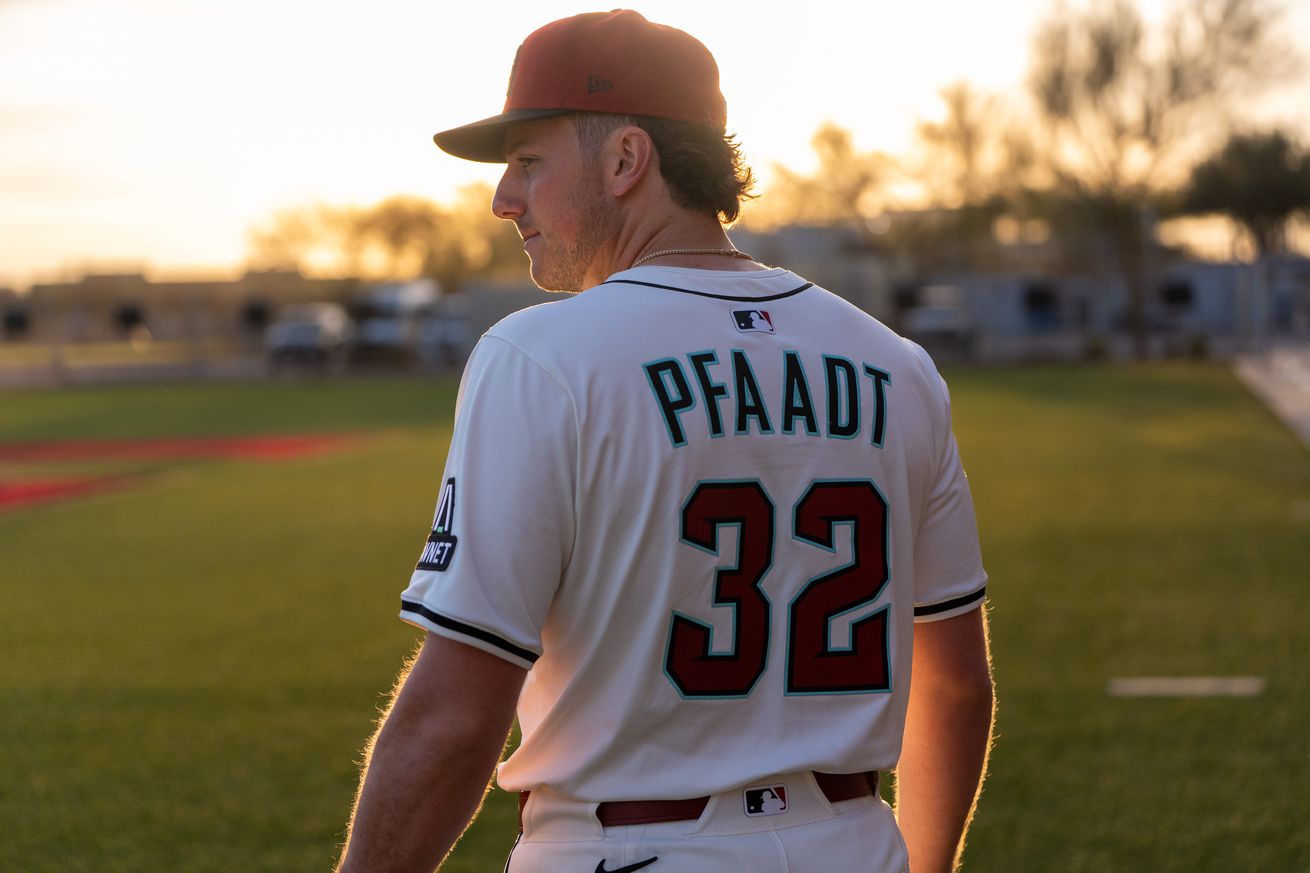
{"x":814,"y":665}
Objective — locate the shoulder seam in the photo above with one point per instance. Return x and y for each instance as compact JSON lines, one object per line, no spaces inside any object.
{"x":554,"y":377}
{"x":577,"y":424}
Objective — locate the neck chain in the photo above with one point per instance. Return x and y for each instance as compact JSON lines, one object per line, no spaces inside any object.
{"x":731,"y":253}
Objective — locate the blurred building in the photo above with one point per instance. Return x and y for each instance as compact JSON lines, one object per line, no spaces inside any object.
{"x":1192,"y":308}
{"x":991,"y":296}
{"x":842,"y":259}
{"x":102,"y":307}
{"x":1009,"y":296}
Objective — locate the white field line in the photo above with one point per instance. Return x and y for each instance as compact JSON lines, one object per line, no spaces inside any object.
{"x":1187,"y":686}
{"x":1289,"y":398}
{"x":1292,"y":368}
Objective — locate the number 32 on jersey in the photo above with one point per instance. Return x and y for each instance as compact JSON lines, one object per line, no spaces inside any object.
{"x":813,"y":665}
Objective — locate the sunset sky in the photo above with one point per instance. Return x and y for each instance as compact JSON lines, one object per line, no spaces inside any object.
{"x":152,"y":134}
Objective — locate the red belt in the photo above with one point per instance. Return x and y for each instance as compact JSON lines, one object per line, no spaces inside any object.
{"x":614,"y":813}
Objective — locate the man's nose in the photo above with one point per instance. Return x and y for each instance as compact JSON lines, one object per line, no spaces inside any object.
{"x":508,"y":203}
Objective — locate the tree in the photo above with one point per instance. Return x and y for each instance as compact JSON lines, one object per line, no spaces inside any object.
{"x":1122,"y":111}
{"x":843,"y":189}
{"x":974,"y":166}
{"x":401,"y":237}
{"x":315,"y":240}
{"x":963,"y":156}
{"x":1260,"y":180}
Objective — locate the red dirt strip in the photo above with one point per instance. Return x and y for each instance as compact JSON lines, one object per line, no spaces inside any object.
{"x":259,"y":448}
{"x":22,"y":493}
{"x":17,"y":495}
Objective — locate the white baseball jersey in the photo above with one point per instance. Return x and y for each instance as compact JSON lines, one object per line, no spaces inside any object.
{"x":705,"y":508}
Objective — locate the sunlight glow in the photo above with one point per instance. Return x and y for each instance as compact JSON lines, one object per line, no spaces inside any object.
{"x":158,"y":132}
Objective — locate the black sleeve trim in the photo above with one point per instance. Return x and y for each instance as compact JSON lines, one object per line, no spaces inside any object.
{"x":955,"y":603}
{"x":714,"y":296}
{"x":468,"y":630}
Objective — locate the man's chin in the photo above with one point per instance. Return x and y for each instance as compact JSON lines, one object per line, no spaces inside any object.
{"x":546,"y":281}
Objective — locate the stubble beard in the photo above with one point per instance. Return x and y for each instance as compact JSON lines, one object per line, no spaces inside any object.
{"x":564,"y":265}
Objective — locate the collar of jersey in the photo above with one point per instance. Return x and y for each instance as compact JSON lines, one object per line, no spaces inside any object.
{"x":749,"y":285}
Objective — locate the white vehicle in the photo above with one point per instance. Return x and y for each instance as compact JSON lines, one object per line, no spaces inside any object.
{"x":387,"y":321}
{"x":444,"y":337}
{"x":308,"y":333}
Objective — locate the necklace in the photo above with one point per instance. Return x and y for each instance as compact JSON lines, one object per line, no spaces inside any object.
{"x":731,"y":253}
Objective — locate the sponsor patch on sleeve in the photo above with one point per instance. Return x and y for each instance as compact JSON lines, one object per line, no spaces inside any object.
{"x":440,"y":547}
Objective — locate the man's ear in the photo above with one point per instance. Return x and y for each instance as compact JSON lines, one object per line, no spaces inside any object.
{"x":629,"y":158}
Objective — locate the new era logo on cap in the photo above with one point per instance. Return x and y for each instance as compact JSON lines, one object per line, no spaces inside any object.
{"x":596,"y":84}
{"x":752,"y":321}
{"x":767,"y":800}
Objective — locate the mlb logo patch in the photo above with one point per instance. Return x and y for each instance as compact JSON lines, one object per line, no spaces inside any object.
{"x":767,"y":800}
{"x":752,"y":321}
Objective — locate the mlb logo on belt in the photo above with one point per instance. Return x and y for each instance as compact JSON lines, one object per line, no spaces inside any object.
{"x":767,"y":800}
{"x":752,"y":321}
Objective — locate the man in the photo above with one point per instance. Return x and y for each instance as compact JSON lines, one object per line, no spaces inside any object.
{"x":695,"y":522}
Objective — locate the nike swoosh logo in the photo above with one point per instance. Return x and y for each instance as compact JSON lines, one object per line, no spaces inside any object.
{"x":600,"y":868}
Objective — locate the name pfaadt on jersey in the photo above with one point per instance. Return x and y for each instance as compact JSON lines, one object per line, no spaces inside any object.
{"x":831,"y":403}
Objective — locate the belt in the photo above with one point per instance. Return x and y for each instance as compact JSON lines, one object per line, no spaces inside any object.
{"x":615,"y":813}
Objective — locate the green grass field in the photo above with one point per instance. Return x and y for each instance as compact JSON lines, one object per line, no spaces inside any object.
{"x":188,"y":669}
{"x":98,"y":354}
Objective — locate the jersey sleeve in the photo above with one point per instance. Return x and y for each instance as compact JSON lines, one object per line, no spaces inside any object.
{"x":504,"y":525}
{"x":949,"y":575}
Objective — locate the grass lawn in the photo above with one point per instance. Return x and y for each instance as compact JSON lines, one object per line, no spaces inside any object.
{"x":189,"y":668}
{"x":96,"y":354}
{"x":1140,"y":522}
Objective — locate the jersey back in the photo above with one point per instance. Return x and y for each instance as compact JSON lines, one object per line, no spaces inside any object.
{"x":705,"y":509}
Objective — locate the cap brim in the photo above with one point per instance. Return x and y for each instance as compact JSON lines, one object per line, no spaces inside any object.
{"x":485,"y":140}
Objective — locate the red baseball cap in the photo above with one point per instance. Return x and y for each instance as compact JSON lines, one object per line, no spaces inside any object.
{"x":615,"y":62}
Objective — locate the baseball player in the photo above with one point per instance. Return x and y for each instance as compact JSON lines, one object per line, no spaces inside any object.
{"x":695,"y":524}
